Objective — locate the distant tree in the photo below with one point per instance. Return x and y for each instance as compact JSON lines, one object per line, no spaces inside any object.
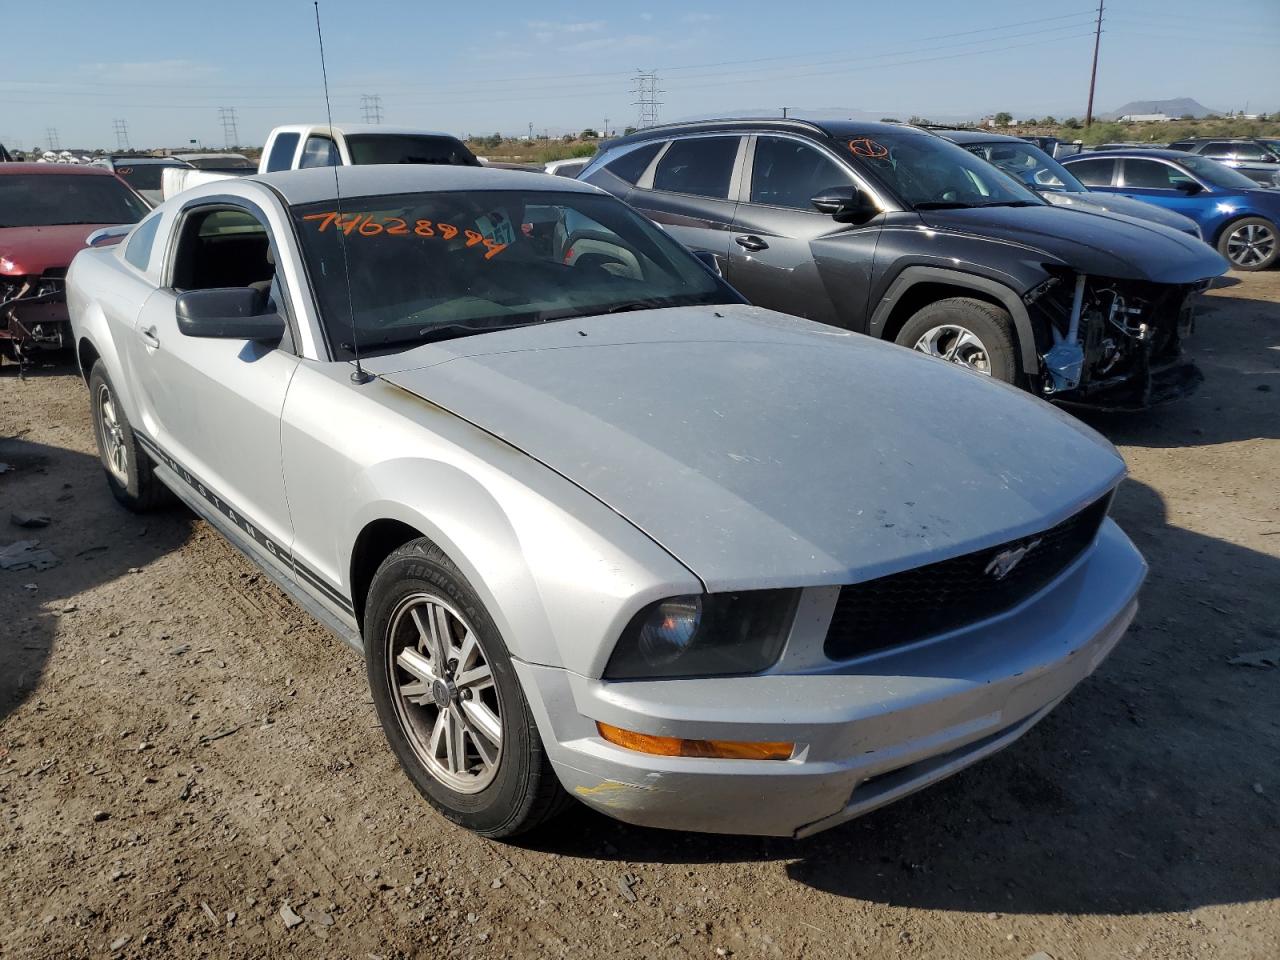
{"x":1050,"y":121}
{"x":588,"y":134}
{"x":629,"y":131}
{"x":890,"y":120}
{"x":1003,"y":119}
{"x":1186,"y":116}
{"x":568,"y":138}
{"x":1071,"y":123}
{"x":1031,"y":121}
{"x":918,"y":121}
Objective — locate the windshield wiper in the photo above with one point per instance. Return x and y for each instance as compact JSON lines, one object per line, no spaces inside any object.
{"x":450,"y":331}
{"x":1010,"y":203}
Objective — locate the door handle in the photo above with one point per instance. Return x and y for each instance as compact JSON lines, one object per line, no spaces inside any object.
{"x":751,"y":242}
{"x":148,"y":335}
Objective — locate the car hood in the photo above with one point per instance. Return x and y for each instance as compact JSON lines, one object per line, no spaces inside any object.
{"x":34,"y":250}
{"x":1126,"y":206}
{"x":1101,"y":246}
{"x":764,"y":450}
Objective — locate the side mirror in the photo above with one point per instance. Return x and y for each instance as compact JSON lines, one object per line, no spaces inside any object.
{"x":1189,"y":187}
{"x":708,"y":260}
{"x":845,"y":204}
{"x":228,"y":313}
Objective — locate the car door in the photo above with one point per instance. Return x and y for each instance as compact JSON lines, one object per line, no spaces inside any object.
{"x":1162,"y":183}
{"x":783,"y":253}
{"x":690,"y":189}
{"x":210,"y":408}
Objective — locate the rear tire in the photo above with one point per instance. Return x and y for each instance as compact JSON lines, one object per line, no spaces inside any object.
{"x":437,"y":666}
{"x":1251,"y":243}
{"x":971,"y":333}
{"x":129,"y":471}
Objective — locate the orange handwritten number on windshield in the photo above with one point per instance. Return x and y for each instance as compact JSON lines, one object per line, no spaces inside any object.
{"x":473,"y":238}
{"x":423,"y":228}
{"x":326,"y":219}
{"x":493,"y":248}
{"x":400,"y":228}
{"x":370,"y":227}
{"x":447,"y":230}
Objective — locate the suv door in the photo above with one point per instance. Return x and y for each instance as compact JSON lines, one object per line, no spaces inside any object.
{"x":787,"y":256}
{"x":691,"y":191}
{"x":1156,"y":181}
{"x":210,"y":408}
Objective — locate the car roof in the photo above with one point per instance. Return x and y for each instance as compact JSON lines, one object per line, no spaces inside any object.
{"x":55,"y":169}
{"x":978,"y":136}
{"x":838,"y":129}
{"x":370,"y":180}
{"x":353,"y":129}
{"x":1131,"y":152}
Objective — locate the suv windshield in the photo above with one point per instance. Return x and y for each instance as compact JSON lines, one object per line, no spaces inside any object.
{"x":46,"y":200}
{"x":433,"y":266}
{"x":409,"y":148}
{"x":1028,"y":164}
{"x":1215,"y":173}
{"x":927,"y":172}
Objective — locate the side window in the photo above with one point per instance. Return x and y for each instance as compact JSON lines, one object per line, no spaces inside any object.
{"x":702,"y":166}
{"x":1093,"y":173}
{"x":1186,"y":146}
{"x":1248,"y":151}
{"x":1148,"y":174}
{"x":138,"y":252}
{"x":319,"y":152}
{"x":787,"y":173}
{"x":632,"y":164}
{"x":1217,"y":149}
{"x":222,"y":247}
{"x":282,"y":151}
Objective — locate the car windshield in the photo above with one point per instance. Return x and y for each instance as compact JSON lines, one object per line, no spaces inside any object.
{"x":409,"y":148}
{"x":1215,"y":173}
{"x":433,"y":266}
{"x":46,"y":200}
{"x":1028,"y":164}
{"x":143,"y":176}
{"x":928,"y":172}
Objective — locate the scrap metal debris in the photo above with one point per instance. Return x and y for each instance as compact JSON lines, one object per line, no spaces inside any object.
{"x":25,"y":555}
{"x":21,"y":518}
{"x":1263,"y":659}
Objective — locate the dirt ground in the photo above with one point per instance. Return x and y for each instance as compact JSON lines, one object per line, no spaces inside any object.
{"x":183,"y":752}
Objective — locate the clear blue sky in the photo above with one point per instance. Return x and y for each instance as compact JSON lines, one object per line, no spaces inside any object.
{"x":166,"y":67}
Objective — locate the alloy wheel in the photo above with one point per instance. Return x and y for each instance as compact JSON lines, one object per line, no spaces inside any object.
{"x":111,"y":435}
{"x":1251,"y":244}
{"x":444,"y":693}
{"x":956,"y":344}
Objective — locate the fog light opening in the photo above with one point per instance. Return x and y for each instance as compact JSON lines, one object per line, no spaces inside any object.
{"x":679,"y":747}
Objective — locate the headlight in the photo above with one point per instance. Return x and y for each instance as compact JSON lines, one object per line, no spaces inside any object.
{"x":717,"y":634}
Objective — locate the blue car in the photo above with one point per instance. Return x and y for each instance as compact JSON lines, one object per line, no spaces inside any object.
{"x":1233,"y":212}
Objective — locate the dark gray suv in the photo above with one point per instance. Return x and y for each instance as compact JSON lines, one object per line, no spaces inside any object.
{"x":1259,"y":160}
{"x":892,"y":231}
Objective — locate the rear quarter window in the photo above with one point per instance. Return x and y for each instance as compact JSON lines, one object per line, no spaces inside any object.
{"x":702,"y":166}
{"x":631,"y":165}
{"x":138,"y":251}
{"x":282,"y":151}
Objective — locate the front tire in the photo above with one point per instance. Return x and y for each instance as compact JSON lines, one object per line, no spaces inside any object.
{"x":972,"y":333}
{"x":448,"y":698}
{"x":129,"y":471}
{"x":1251,"y":243}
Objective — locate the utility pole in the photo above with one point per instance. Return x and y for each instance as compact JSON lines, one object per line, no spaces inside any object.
{"x":784,"y":112}
{"x":531,"y":131}
{"x":51,"y":134}
{"x":647,"y":102}
{"x":230,"y":135}
{"x":371,"y":107}
{"x":1093,"y":74}
{"x":122,"y":134}
{"x":604,"y":132}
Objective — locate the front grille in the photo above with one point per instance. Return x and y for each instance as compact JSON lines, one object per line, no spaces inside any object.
{"x":909,"y":606}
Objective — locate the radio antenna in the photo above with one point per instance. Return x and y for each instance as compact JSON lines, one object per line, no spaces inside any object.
{"x":358,"y":375}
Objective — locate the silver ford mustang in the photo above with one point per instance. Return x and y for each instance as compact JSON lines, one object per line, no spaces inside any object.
{"x":601,"y":529}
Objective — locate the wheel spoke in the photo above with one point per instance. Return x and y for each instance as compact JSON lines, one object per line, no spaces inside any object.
{"x":483,"y":719}
{"x":419,"y":667}
{"x":476,"y":678}
{"x":438,"y":733}
{"x":485,"y":748}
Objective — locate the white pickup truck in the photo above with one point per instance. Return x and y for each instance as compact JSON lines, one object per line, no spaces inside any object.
{"x":296,"y":146}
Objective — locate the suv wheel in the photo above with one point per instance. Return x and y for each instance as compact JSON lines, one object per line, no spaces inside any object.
{"x":1250,"y":244}
{"x":128,"y":469}
{"x":449,"y":700}
{"x":973,"y":333}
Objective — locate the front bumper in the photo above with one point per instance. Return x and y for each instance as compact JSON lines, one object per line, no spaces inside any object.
{"x":867,"y":732}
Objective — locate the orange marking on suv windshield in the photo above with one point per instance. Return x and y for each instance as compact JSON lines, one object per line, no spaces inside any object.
{"x":866,"y":147}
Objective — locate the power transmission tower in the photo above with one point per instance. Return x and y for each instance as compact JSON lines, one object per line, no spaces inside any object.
{"x":122,"y":134}
{"x":51,"y":134}
{"x":646,"y":92}
{"x":371,"y":107}
{"x":230,"y":136}
{"x":1093,"y":74}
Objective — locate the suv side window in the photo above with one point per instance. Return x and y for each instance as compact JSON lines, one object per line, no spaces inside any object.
{"x":1248,"y":151}
{"x":787,"y":173}
{"x":319,"y":152}
{"x":632,"y":164}
{"x":138,"y":252}
{"x":1094,"y":173}
{"x":1218,"y":149}
{"x":702,"y":166}
{"x":282,"y":150}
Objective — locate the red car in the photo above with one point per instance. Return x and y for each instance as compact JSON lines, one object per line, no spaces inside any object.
{"x":47,"y":210}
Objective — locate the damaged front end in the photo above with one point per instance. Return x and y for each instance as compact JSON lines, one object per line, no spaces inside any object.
{"x":33,"y":314}
{"x":1114,"y":344}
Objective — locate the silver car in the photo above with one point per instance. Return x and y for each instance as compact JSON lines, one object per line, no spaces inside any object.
{"x":602,"y":530}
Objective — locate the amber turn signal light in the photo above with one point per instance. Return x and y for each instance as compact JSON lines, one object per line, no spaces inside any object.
{"x":678,"y":747}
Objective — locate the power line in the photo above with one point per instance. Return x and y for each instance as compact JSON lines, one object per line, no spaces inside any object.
{"x":371,"y":107}
{"x":227,"y":116}
{"x":646,"y":92}
{"x":122,"y":134}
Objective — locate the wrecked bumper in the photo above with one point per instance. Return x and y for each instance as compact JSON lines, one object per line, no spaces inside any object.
{"x":866,"y":733}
